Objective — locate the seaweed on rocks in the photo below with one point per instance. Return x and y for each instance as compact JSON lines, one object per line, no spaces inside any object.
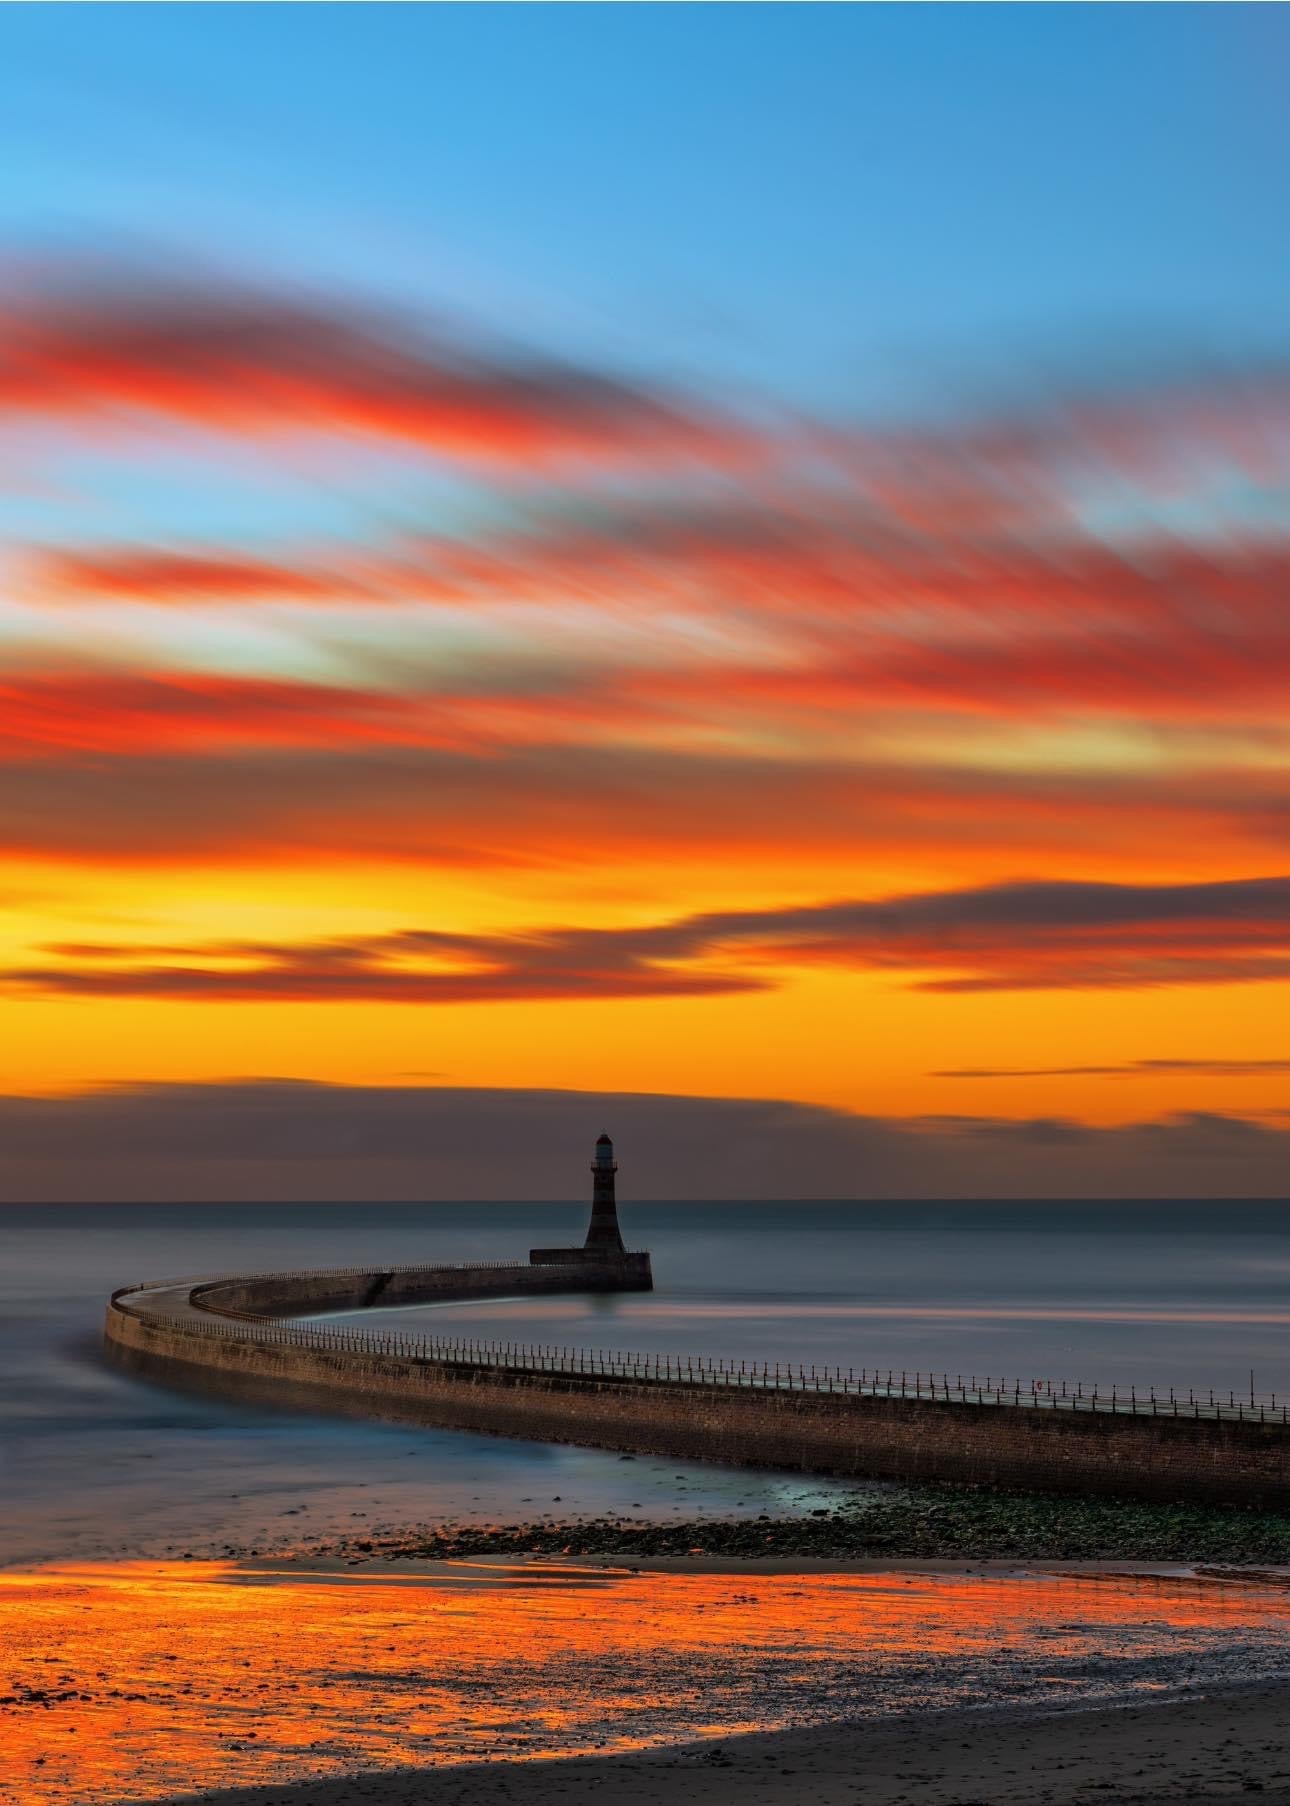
{"x":925,"y":1523}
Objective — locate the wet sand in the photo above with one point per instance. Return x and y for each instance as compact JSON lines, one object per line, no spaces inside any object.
{"x":299,"y":1683}
{"x":736,"y":1566}
{"x":1215,"y":1746}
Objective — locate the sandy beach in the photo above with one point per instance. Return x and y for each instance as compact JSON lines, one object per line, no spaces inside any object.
{"x":1216,"y":1746}
{"x":287,"y":1684}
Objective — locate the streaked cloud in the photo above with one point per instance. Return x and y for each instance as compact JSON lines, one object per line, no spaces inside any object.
{"x":153,"y":574}
{"x":557,"y":807}
{"x":1024,"y":936}
{"x":797,"y":699}
{"x":792,"y":633}
{"x":1128,"y":1069}
{"x":132,"y":712}
{"x":115,"y":349}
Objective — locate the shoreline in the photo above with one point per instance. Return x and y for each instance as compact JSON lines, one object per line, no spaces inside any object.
{"x":1216,"y":1745}
{"x":875,"y":1526}
{"x":300,"y":1566}
{"x":888,"y":1524}
{"x":297,"y":1563}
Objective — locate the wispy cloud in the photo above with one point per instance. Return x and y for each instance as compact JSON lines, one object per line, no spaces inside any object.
{"x":1023,"y":936}
{"x":194,"y":711}
{"x":1127,"y":1069}
{"x":557,"y":808}
{"x":700,"y":654}
{"x":840,"y":621}
{"x":116,"y":350}
{"x":157,"y":574}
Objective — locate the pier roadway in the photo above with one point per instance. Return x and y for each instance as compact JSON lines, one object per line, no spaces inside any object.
{"x":885,"y":1424}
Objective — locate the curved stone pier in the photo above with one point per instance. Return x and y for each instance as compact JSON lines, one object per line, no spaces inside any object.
{"x":830,"y":1421}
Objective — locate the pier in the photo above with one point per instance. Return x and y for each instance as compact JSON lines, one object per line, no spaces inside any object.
{"x":1043,"y":1435}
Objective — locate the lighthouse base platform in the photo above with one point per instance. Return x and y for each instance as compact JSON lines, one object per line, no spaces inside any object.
{"x":605,"y":1270}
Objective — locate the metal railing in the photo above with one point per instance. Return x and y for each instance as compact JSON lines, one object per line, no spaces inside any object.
{"x":368,"y":1272}
{"x":704,"y":1371}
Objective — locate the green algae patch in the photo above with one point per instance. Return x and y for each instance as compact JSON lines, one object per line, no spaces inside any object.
{"x":926,"y":1523}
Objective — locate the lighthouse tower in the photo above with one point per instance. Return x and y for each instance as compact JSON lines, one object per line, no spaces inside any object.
{"x":603,"y":1257}
{"x":603,"y":1234}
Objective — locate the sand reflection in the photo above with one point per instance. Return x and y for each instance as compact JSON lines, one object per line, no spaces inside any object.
{"x":136,"y":1680}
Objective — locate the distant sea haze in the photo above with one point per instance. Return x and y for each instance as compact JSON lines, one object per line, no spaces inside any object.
{"x":95,"y":1462}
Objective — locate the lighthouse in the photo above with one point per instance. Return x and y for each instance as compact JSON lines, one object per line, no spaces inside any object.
{"x":603,"y":1258}
{"x":603,"y":1233}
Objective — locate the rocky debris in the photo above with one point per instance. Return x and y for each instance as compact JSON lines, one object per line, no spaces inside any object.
{"x":930,"y":1523}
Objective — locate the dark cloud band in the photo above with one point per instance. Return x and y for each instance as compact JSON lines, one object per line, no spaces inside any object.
{"x":1041,"y":935}
{"x":178,"y":1144}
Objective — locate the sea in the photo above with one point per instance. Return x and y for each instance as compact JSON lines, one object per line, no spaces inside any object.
{"x":96,"y":1463}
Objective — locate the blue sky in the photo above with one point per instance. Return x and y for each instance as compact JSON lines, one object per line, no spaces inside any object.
{"x":844,"y":208}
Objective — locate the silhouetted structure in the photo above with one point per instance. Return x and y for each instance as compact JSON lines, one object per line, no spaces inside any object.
{"x":603,"y":1233}
{"x":604,"y":1248}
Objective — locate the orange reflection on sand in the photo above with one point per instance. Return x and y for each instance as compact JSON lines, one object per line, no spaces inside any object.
{"x":138,"y":1680}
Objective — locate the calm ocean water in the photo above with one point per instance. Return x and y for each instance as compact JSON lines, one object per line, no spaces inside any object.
{"x":94,"y":1462}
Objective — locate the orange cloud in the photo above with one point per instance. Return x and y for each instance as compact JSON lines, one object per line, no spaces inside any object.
{"x":798,"y":663}
{"x":1023,"y":936}
{"x":558,"y":807}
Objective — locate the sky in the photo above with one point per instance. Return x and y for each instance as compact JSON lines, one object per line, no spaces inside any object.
{"x":713,"y":553}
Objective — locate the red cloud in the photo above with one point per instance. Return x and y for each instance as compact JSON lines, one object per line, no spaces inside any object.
{"x":197,"y":712}
{"x":241,"y":363}
{"x":557,"y":807}
{"x":143,"y":574}
{"x":918,"y":576}
{"x":46,"y":715}
{"x":1170,"y":631}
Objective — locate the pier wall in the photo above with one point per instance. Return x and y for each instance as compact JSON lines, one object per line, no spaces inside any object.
{"x":1160,"y":1457}
{"x":305,"y":1294}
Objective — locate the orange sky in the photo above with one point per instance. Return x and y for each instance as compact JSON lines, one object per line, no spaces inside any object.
{"x":664,"y":752}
